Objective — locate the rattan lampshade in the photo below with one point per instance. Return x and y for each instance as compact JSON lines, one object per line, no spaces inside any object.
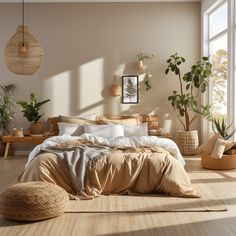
{"x":23,"y":53}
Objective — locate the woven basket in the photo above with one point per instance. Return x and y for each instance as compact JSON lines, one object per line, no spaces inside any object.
{"x":23,"y":60}
{"x":227,"y":162}
{"x":36,"y":128}
{"x":188,"y":142}
{"x":33,"y":201}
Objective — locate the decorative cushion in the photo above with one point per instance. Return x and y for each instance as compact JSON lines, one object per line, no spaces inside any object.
{"x":125,"y":121}
{"x":136,"y":130}
{"x":218,"y":148}
{"x":76,"y":120}
{"x":71,"y":129}
{"x":33,"y":201}
{"x":209,"y":145}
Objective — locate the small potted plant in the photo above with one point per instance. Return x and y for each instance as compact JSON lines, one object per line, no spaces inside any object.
{"x":185,"y":102}
{"x":7,"y":111}
{"x":31,"y":112}
{"x":220,"y":126}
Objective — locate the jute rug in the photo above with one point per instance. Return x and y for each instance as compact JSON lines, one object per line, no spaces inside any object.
{"x":149,"y":203}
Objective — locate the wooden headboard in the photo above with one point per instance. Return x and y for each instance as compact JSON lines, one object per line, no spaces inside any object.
{"x":152,"y":121}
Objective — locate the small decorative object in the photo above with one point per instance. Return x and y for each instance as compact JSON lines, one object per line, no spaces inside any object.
{"x":31,"y":112}
{"x":17,"y":132}
{"x":33,"y":201}
{"x":23,"y":54}
{"x":220,"y":126}
{"x":186,"y":102}
{"x":130,"y":90}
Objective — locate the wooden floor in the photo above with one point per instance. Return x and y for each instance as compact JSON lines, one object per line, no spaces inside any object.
{"x":173,"y":223}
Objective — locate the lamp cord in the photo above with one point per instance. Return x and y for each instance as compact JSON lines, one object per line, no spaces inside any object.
{"x":23,"y":21}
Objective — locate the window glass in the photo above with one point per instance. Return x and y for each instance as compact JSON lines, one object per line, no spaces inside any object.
{"x":218,"y":81}
{"x":218,"y":20}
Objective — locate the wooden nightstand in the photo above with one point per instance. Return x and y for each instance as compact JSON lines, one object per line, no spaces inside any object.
{"x":26,"y":139}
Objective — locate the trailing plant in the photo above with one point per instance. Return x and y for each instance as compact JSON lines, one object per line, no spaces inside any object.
{"x":141,"y":57}
{"x":220,"y":126}
{"x":7,"y":107}
{"x":31,"y":109}
{"x":185,"y":102}
{"x":144,"y":56}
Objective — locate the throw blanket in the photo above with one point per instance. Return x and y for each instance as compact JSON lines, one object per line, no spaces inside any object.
{"x":89,"y":166}
{"x":77,"y":158}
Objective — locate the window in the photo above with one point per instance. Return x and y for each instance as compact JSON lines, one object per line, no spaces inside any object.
{"x":218,"y":47}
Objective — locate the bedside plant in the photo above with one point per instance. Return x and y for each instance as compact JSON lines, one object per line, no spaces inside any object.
{"x":185,"y":102}
{"x":7,"y":107}
{"x":31,"y":112}
{"x":7,"y":111}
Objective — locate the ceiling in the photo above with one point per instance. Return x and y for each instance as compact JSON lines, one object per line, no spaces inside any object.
{"x":12,"y":1}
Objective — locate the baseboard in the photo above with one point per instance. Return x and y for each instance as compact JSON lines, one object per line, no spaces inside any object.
{"x":21,"y":153}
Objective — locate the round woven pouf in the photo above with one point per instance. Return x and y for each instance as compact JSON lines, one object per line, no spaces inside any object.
{"x":33,"y":201}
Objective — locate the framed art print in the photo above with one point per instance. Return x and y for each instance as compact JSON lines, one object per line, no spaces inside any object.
{"x":130,"y":93}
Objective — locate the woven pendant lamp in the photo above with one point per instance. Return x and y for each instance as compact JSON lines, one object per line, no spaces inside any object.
{"x":23,"y":53}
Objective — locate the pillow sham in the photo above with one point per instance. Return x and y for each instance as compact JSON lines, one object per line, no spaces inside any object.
{"x":127,"y":121}
{"x":76,"y":120}
{"x":209,"y":145}
{"x":105,"y":131}
{"x":136,"y":130}
{"x":71,"y":129}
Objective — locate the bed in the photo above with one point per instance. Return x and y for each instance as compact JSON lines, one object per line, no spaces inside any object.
{"x":91,"y":156}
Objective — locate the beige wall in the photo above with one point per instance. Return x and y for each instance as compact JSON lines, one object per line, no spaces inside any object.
{"x":85,"y":45}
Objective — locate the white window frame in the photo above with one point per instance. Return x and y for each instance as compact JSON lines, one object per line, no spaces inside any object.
{"x":231,"y":85}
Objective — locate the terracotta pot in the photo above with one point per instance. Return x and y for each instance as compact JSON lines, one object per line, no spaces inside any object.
{"x":188,"y":142}
{"x":36,"y":128}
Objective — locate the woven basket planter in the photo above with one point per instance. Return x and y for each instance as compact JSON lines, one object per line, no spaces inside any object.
{"x":23,"y":60}
{"x":36,"y":128}
{"x":33,"y":201}
{"x":188,"y":142}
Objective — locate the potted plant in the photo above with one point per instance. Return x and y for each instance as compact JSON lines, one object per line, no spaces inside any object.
{"x":31,"y":112}
{"x":185,"y":102}
{"x":220,"y":126}
{"x":7,"y":111}
{"x":141,"y":57}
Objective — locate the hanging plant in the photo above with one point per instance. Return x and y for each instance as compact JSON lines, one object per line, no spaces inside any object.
{"x":141,"y":57}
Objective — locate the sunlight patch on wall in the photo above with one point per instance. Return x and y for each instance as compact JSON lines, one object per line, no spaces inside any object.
{"x":57,"y":88}
{"x":91,"y":77}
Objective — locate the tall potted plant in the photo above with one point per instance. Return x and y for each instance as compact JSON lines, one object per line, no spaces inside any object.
{"x":31,"y":112}
{"x":185,"y":102}
{"x":7,"y":111}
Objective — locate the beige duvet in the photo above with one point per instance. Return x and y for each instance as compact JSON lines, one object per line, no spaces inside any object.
{"x":124,"y":171}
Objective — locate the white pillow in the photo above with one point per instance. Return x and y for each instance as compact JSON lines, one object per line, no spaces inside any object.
{"x":136,"y":130}
{"x":71,"y":129}
{"x":105,"y":131}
